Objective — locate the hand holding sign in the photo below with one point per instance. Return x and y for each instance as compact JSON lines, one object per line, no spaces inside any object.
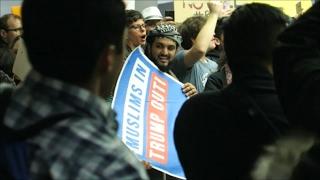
{"x":189,"y":89}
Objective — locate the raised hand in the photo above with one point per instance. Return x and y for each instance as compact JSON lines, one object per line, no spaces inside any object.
{"x":215,"y":7}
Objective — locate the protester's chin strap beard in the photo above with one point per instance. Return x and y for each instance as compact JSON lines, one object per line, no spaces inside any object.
{"x":163,"y":68}
{"x":149,"y":55}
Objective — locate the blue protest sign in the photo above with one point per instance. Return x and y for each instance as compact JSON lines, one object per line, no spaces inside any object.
{"x":147,"y":102}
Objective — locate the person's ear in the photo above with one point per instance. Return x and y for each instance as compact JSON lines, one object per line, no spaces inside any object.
{"x":111,"y":60}
{"x":218,"y":41}
{"x":3,"y":34}
{"x":192,"y":40}
{"x":107,"y":59}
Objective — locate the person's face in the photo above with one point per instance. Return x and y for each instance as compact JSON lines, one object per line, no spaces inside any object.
{"x":151,"y":24}
{"x":214,"y":42}
{"x":16,"y":46}
{"x":136,"y":34}
{"x":163,"y":50}
{"x":14,"y":30}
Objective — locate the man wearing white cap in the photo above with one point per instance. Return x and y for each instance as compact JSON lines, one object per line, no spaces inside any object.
{"x":152,"y":16}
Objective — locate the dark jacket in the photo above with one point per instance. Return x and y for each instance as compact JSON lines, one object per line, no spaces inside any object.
{"x":220,"y":135}
{"x":213,"y":55}
{"x":5,"y":78}
{"x":216,"y":81}
{"x":297,"y":70}
{"x":3,"y":44}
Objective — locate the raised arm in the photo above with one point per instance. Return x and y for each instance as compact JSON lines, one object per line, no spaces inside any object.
{"x":202,"y":42}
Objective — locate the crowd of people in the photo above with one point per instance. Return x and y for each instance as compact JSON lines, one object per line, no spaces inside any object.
{"x":251,"y":78}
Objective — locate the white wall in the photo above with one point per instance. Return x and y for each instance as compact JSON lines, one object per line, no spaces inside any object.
{"x":131,"y":4}
{"x":164,"y":1}
{"x":141,"y":4}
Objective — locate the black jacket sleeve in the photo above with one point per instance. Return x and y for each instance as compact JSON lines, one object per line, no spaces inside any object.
{"x":216,"y":81}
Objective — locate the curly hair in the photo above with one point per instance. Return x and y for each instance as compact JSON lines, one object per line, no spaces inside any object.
{"x":132,"y":16}
{"x":189,"y":30}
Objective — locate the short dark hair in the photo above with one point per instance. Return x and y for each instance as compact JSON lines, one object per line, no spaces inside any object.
{"x":219,"y":27}
{"x":65,"y":39}
{"x":132,"y":16}
{"x":190,"y":29}
{"x":4,"y":20}
{"x":251,"y":32}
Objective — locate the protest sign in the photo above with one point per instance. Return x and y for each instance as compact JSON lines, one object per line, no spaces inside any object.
{"x":147,"y":102}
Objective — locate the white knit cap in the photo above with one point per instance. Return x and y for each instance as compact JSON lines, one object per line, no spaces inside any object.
{"x":151,"y":13}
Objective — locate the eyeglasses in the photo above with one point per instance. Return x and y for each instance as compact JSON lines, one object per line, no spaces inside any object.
{"x":15,"y":30}
{"x":137,"y":26}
